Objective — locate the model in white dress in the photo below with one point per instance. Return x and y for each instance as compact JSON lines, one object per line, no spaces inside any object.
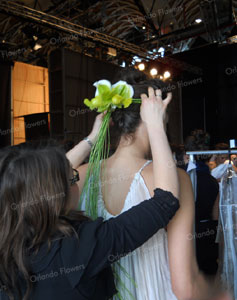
{"x":147,"y":266}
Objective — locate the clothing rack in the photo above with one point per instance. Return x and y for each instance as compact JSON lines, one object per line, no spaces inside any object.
{"x":226,"y":210}
{"x":208,"y":152}
{"x":212,"y":152}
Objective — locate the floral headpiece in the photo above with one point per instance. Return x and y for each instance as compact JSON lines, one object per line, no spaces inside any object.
{"x":107,"y":98}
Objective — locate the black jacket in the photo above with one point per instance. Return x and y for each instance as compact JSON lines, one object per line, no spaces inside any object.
{"x":79,"y":268}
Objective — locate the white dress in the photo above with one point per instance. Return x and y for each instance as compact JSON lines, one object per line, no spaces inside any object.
{"x":148,"y":265}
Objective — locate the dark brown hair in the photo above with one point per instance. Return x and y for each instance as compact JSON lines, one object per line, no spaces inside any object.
{"x":34,"y":206}
{"x":126,"y":120}
{"x":198,"y":140}
{"x":179,"y":152}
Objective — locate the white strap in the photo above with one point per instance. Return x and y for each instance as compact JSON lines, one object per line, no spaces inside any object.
{"x":145,"y":164}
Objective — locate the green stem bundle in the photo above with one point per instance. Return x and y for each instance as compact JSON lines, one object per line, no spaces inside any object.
{"x":99,"y":152}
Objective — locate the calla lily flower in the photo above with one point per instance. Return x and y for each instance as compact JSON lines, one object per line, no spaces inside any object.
{"x":108,"y":96}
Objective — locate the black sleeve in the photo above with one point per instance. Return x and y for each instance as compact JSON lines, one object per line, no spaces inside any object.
{"x":123,"y":234}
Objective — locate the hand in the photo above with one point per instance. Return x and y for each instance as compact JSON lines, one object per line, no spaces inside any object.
{"x":96,"y":127}
{"x":153,"y":108}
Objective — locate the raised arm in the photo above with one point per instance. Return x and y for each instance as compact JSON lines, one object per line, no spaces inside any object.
{"x":79,"y":153}
{"x":153,"y":110}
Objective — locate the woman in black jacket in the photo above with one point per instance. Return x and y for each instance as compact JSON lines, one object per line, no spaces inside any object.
{"x":48,"y":250}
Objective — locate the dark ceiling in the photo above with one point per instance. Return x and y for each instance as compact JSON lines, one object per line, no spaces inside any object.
{"x":30,"y":29}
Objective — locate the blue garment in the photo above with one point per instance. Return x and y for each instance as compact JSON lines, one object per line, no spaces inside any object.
{"x":202,"y":167}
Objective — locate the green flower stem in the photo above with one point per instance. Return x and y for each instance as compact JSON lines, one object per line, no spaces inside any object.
{"x":136,"y":101}
{"x":99,"y":152}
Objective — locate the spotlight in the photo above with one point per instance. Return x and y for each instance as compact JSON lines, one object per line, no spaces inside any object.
{"x":161,"y":51}
{"x":198,"y":21}
{"x":167,"y":74}
{"x":153,"y":72}
{"x":161,"y":77}
{"x":141,"y":67}
{"x":136,"y":59}
{"x":143,"y":27}
{"x":37,"y":47}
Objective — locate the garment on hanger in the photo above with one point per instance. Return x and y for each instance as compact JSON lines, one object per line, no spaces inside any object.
{"x":228,"y":230}
{"x":219,"y":171}
{"x":191,"y":170}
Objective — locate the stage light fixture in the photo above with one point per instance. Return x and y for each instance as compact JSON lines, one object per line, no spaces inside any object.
{"x":161,"y":51}
{"x":136,"y":59}
{"x":141,"y":67}
{"x":37,"y":46}
{"x":153,"y":72}
{"x":198,"y":20}
{"x":167,"y":74}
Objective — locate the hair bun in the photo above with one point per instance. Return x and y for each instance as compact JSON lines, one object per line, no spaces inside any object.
{"x":118,"y":118}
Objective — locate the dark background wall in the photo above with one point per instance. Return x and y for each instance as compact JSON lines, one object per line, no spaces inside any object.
{"x":71,"y":78}
{"x":211,"y":105}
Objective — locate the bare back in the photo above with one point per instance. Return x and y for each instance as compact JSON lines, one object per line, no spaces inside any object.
{"x":116,"y":181}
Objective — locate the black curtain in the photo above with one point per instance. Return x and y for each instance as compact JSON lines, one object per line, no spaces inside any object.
{"x":5,"y":104}
{"x":211,"y":104}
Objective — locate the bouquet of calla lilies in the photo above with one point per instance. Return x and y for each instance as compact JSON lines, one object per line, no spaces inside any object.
{"x":107,"y":98}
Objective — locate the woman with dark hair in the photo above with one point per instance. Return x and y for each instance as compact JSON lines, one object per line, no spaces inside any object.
{"x":164,"y":268}
{"x":206,"y":204}
{"x":48,"y":250}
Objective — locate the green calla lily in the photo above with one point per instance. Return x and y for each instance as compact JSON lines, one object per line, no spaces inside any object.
{"x":110,"y":96}
{"x":127,"y":102}
{"x":117,"y":99}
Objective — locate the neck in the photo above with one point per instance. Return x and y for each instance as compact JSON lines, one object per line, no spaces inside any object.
{"x":129,"y":150}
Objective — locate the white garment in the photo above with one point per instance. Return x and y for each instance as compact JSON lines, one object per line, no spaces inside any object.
{"x":191,"y":170}
{"x":220,"y":171}
{"x":228,"y":221}
{"x":148,"y":265}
